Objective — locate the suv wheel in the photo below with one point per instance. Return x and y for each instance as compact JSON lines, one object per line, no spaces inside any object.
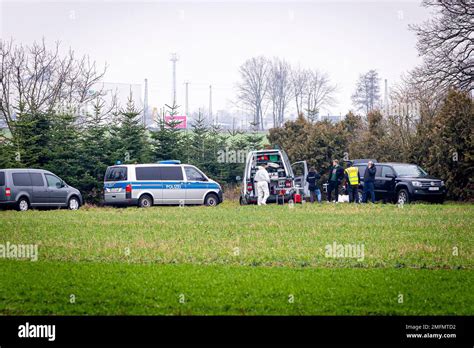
{"x":403,"y":196}
{"x":145,"y":201}
{"x":211,"y":200}
{"x":360,"y":194}
{"x":73,"y":203}
{"x":23,"y":204}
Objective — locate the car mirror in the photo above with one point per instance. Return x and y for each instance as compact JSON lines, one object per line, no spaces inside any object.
{"x":59,"y":185}
{"x":389,"y":176}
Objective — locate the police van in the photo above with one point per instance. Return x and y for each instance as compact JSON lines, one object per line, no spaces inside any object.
{"x":286,"y":179}
{"x":162,"y":183}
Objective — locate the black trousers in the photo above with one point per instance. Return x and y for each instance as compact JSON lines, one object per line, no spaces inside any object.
{"x":353,"y":193}
{"x":333,"y":186}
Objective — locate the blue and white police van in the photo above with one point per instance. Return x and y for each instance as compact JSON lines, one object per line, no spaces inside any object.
{"x":162,"y":183}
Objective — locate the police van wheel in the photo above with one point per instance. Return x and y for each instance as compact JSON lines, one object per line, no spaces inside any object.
{"x":145,"y":201}
{"x":211,"y":200}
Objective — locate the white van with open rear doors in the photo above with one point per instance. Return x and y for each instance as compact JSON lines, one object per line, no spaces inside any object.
{"x":287,"y":181}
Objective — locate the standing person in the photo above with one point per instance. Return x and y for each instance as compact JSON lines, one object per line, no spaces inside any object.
{"x":353,"y":181}
{"x":262,"y":179}
{"x":312,"y":179}
{"x":369,"y":178}
{"x":336,"y":174}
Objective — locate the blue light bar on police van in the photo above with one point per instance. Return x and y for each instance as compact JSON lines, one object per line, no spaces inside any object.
{"x":170,"y":162}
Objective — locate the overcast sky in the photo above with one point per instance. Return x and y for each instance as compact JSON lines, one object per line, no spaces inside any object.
{"x":212,"y":39}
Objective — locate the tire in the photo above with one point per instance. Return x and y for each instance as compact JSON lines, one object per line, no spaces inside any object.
{"x":73,"y":203}
{"x":243,"y":201}
{"x":145,"y":201}
{"x":23,"y":204}
{"x":360,"y":194}
{"x":211,"y":200}
{"x":403,"y":195}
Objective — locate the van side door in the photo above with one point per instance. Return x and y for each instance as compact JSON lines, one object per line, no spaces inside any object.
{"x":40,"y":194}
{"x":174,"y":187}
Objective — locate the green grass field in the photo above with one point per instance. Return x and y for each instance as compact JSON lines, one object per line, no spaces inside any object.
{"x":241,"y":260}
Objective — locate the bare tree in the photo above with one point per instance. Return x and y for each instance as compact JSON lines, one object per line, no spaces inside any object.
{"x":446,"y":44}
{"x":319,"y":93}
{"x":35,"y":79}
{"x":280,"y":89}
{"x":367,"y":94}
{"x":253,"y":87}
{"x":299,"y":79}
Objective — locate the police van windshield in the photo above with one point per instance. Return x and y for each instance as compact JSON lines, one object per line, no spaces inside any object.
{"x":116,"y":174}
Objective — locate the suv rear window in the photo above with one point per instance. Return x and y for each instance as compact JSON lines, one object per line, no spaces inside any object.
{"x":21,"y":179}
{"x":171,"y":173}
{"x":2,"y":178}
{"x":116,"y":174}
{"x":148,"y":173}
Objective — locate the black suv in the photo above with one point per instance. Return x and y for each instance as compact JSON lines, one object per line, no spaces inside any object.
{"x":395,"y":182}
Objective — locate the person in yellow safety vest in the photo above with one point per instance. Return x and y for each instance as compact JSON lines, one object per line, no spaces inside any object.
{"x":352,"y":180}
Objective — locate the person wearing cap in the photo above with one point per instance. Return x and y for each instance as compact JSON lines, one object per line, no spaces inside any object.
{"x":262,"y":179}
{"x":352,"y":180}
{"x":369,"y":179}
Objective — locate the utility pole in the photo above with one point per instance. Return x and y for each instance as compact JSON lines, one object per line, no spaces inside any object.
{"x":174,"y":58}
{"x":187,"y":100}
{"x":210,"y":102}
{"x":145,"y":104}
{"x":385,"y":101}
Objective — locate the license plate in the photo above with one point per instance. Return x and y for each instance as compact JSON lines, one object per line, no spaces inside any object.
{"x":114,"y":189}
{"x":433,"y":189}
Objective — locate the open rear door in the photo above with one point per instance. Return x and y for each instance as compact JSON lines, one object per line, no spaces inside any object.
{"x":300,"y":171}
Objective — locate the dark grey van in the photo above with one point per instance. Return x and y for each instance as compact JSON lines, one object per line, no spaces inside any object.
{"x":28,"y":188}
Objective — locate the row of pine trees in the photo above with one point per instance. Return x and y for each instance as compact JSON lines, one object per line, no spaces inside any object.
{"x":79,"y":151}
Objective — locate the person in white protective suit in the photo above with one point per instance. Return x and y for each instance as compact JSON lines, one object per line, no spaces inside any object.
{"x":262,"y":180}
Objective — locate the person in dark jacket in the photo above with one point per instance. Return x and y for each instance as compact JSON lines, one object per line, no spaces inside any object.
{"x":312,"y":179}
{"x":369,"y":178}
{"x":336,"y":175}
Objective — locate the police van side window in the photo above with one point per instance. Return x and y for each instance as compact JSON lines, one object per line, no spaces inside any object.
{"x":2,"y":178}
{"x":171,"y":173}
{"x":194,"y":175}
{"x":116,"y":174}
{"x":148,"y":173}
{"x":21,"y":179}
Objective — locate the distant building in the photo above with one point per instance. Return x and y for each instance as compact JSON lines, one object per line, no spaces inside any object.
{"x":331,"y":118}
